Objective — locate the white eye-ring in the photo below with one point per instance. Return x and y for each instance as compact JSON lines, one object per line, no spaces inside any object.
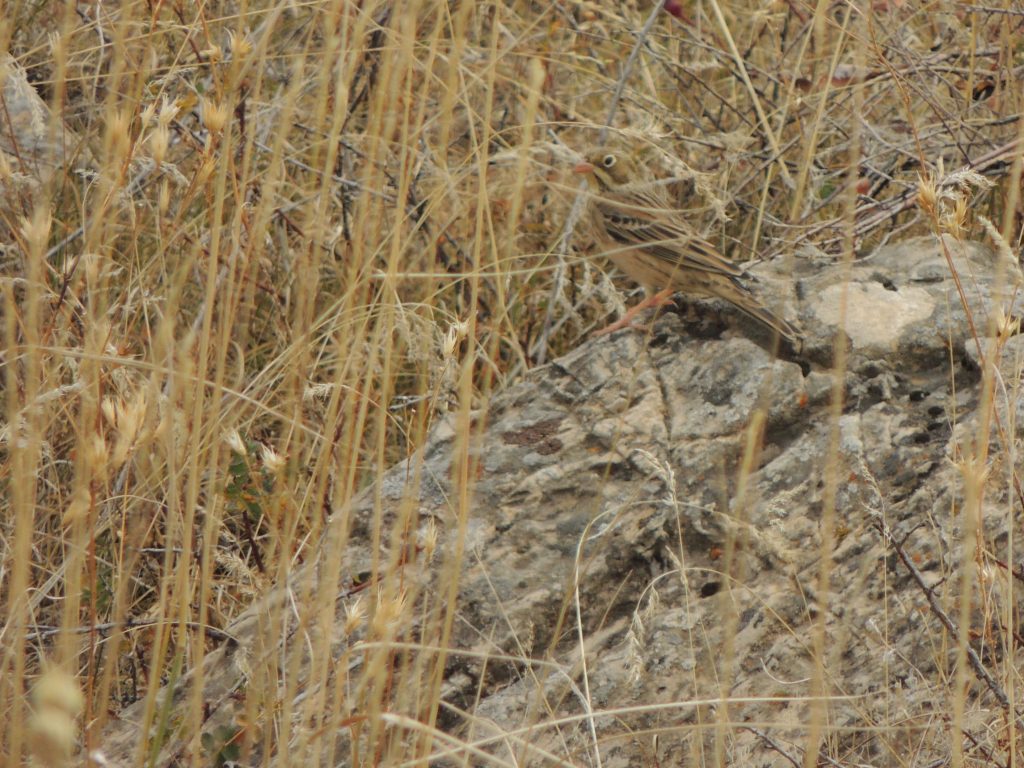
{"x":608,"y":161}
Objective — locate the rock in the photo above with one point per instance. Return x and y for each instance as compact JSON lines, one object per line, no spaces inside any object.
{"x":33,"y":146}
{"x":686,"y":494}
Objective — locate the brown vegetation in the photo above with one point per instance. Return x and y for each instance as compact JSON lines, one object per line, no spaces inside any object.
{"x":279,"y":239}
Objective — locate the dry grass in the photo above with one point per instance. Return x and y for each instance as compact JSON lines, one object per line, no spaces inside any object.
{"x":309,"y":228}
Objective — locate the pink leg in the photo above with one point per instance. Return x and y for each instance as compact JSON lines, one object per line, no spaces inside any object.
{"x":659,"y":299}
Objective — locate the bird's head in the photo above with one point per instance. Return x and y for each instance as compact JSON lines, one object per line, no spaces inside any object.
{"x":610,"y":168}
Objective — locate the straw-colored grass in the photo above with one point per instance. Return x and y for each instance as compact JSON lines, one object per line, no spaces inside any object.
{"x":304,"y":230}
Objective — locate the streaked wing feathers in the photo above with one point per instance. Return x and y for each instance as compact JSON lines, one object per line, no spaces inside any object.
{"x":649,"y":226}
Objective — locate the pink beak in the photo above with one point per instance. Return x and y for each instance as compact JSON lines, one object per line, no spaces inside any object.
{"x":583,"y":168}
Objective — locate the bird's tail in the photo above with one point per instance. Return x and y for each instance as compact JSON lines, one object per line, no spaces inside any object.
{"x":753,"y":309}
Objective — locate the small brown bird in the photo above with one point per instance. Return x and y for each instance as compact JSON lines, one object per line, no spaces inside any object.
{"x":651,"y":242}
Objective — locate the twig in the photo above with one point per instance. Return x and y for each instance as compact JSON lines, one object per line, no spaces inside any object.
{"x":773,"y":745}
{"x":987,"y":9}
{"x":870,"y":216}
{"x":947,"y":622}
{"x":43,"y":631}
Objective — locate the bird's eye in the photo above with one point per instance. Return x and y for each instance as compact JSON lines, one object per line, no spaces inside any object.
{"x":608,"y":161}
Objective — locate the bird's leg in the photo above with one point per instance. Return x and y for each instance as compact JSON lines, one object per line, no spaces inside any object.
{"x":659,"y":299}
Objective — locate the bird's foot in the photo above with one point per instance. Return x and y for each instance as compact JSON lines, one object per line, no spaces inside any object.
{"x":659,"y":299}
{"x":618,"y":325}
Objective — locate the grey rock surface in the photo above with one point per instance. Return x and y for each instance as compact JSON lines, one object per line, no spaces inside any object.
{"x":683,"y":492}
{"x":33,"y":145}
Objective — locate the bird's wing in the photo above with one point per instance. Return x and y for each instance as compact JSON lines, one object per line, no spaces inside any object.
{"x":649,"y":226}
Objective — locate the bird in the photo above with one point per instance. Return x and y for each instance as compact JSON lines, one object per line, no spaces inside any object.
{"x":650,"y":240}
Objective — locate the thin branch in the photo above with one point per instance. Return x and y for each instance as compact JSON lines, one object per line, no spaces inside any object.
{"x":947,"y":622}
